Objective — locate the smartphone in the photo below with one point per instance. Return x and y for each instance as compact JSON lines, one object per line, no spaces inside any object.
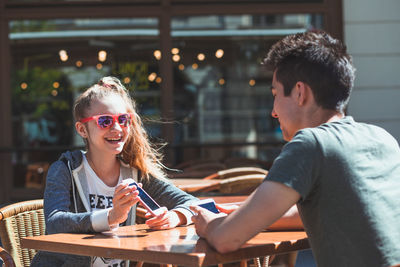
{"x":208,"y":203}
{"x":147,"y":202}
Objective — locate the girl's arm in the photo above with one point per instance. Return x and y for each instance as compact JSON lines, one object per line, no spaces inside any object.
{"x":168,"y":195}
{"x":59,"y":209}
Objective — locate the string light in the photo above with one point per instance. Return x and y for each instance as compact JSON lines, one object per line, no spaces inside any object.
{"x":127,"y":80}
{"x":157,"y":54}
{"x":176,"y":58}
{"x":56,"y":85}
{"x":195,"y":66}
{"x":221,"y":81}
{"x":252,"y":82}
{"x":201,"y":56}
{"x":102,"y":55}
{"x":54,"y":92}
{"x":219,"y":53}
{"x":99,"y":66}
{"x":158,"y":80}
{"x":181,"y":67}
{"x":24,"y":86}
{"x":152,"y":76}
{"x":63,"y":55}
{"x":78,"y":63}
{"x":175,"y":51}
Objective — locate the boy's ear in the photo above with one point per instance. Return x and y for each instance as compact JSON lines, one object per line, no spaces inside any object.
{"x":81,"y":129}
{"x":302,"y":92}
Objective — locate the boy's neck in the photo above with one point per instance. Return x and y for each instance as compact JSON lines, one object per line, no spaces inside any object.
{"x":318,"y":116}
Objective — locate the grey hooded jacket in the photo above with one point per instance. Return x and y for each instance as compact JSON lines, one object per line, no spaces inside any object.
{"x":67,"y":210}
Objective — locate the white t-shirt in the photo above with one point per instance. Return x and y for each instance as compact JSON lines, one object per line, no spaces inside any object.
{"x":100,"y":198}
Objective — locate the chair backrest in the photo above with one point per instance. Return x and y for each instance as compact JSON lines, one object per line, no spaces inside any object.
{"x":243,"y":185}
{"x":234,"y":172}
{"x":239,"y":185}
{"x":199,"y":171}
{"x":20,"y":220}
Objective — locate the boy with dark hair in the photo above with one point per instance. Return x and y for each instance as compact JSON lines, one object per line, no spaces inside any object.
{"x":343,"y":175}
{"x":317,"y":60}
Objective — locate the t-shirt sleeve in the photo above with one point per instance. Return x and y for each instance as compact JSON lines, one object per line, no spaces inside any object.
{"x":297,"y":166}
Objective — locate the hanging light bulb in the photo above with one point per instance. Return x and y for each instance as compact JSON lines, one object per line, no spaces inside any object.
{"x":127,"y":80}
{"x":63,"y":55}
{"x":24,"y":86}
{"x":157,"y":54}
{"x":102,"y":56}
{"x":175,"y":51}
{"x":56,"y":85}
{"x":201,"y":57}
{"x":176,"y":58}
{"x":219,"y":53}
{"x":152,"y":76}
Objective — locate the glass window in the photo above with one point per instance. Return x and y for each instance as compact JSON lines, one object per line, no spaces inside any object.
{"x":173,"y":1}
{"x":221,"y":92}
{"x":97,"y":1}
{"x":53,"y":61}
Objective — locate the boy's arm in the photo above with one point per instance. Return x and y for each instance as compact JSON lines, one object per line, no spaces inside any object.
{"x":289,"y":221}
{"x":266,"y":205}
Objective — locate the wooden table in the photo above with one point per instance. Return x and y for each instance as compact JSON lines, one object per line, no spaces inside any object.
{"x":180,"y":246}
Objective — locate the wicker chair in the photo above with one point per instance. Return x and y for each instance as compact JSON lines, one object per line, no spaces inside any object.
{"x":240,"y":181}
{"x":241,"y":185}
{"x":27,"y":219}
{"x":16,"y":221}
{"x":198,"y":171}
{"x":237,"y":185}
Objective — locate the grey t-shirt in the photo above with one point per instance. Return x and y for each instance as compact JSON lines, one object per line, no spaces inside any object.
{"x":348,"y":176}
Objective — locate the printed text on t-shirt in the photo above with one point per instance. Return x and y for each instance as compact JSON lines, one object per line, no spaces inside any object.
{"x":100,"y":201}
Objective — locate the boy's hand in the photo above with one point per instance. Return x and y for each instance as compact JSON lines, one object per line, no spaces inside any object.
{"x":202,"y":218}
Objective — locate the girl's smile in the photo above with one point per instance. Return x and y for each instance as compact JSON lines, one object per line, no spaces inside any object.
{"x":110,"y":139}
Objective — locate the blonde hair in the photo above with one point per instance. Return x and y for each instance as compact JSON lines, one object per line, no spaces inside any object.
{"x":137,"y":151}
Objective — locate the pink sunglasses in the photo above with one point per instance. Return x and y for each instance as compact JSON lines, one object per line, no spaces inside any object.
{"x":105,"y":121}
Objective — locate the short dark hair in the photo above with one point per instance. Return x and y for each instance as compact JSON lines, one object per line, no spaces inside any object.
{"x":318,"y":60}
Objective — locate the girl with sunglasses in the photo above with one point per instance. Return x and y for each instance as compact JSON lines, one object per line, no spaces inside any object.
{"x":90,"y":191}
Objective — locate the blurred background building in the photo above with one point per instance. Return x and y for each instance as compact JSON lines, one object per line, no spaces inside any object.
{"x":193,"y":66}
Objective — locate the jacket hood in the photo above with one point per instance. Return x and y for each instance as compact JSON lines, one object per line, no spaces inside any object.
{"x":73,"y":157}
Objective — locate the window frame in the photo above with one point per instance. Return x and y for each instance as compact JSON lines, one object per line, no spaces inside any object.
{"x":164,"y":10}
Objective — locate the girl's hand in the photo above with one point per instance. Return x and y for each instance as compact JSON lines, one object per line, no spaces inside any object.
{"x":166,"y":220}
{"x":124,"y":198}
